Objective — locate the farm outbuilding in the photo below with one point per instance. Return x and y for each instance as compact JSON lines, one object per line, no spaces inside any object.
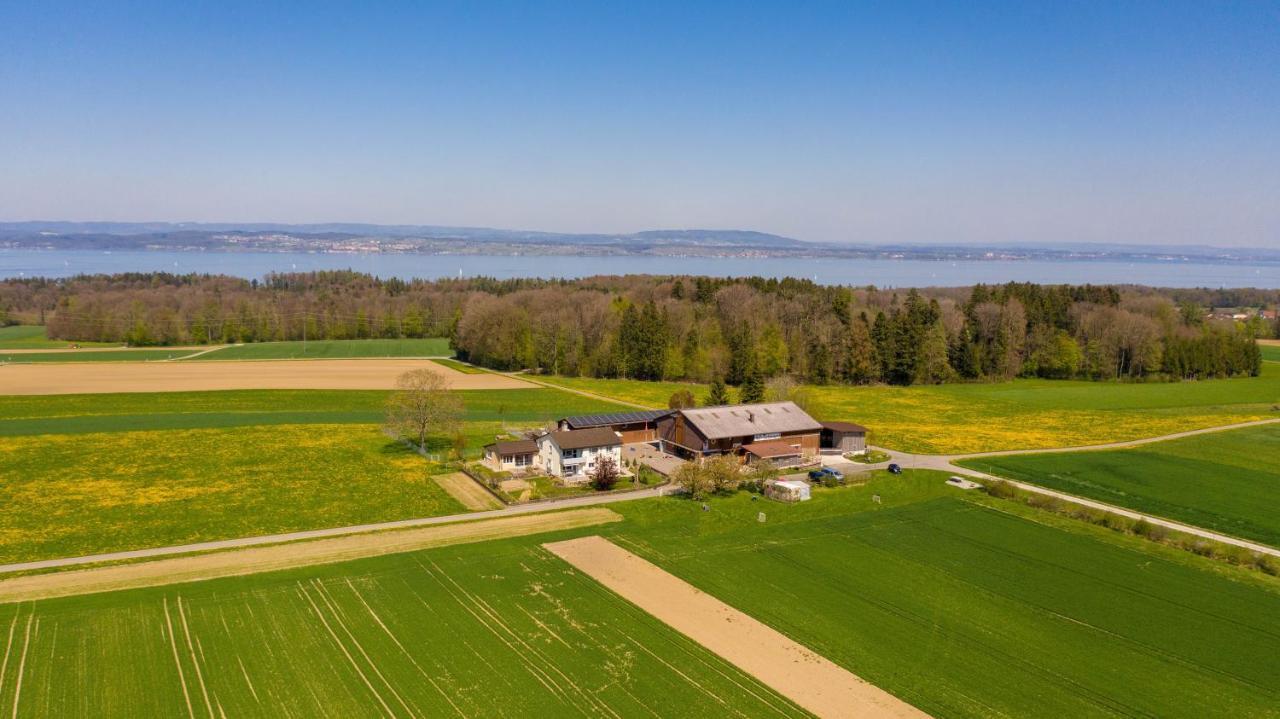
{"x":631,"y":427}
{"x":844,"y":438}
{"x":512,"y":456}
{"x":787,"y":490}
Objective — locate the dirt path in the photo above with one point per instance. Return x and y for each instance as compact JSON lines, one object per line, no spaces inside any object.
{"x":97,"y":377}
{"x":284,"y":556}
{"x":465,"y":490}
{"x":806,"y":678}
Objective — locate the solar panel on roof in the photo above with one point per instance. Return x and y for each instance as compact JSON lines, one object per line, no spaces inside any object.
{"x":599,"y":420}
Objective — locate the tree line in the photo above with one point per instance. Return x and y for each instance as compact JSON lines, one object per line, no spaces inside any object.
{"x":740,"y":331}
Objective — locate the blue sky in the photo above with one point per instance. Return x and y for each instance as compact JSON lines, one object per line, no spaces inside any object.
{"x":858,"y":122}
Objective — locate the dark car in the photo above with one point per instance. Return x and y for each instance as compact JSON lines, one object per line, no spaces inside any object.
{"x":895,"y":469}
{"x":826,"y":473}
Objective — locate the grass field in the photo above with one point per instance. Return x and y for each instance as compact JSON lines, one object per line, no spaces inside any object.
{"x":332,"y":349}
{"x":138,"y":355}
{"x":85,"y":474}
{"x":1023,"y":414}
{"x":70,"y":495}
{"x":32,"y":337}
{"x":494,"y":629}
{"x":1225,"y":481}
{"x":963,"y":605}
{"x":1271,"y":352}
{"x":966,"y":611}
{"x":62,"y":414}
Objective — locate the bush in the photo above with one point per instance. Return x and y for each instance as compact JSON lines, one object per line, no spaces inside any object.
{"x":1001,"y":489}
{"x":1118,"y":522}
{"x":605,"y":475}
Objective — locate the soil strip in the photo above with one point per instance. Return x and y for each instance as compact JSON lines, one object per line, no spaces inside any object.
{"x":806,"y":678}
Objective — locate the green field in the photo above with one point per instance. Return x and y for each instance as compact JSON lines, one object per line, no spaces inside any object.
{"x":495,"y":629}
{"x":32,"y":337}
{"x":963,"y":605}
{"x":965,"y":609}
{"x":1022,"y":414}
{"x":333,"y":349}
{"x":1271,"y":352}
{"x":1225,"y":481}
{"x":122,"y":355}
{"x":63,"y":414}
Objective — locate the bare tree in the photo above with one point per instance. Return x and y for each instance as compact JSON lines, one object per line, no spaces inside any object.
{"x":423,"y":404}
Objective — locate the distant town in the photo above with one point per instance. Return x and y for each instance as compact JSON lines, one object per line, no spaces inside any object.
{"x":345,"y":238}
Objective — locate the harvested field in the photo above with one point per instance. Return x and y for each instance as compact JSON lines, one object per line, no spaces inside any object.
{"x":466,"y":491}
{"x":797,"y":673}
{"x":96,"y":377}
{"x":284,"y":556}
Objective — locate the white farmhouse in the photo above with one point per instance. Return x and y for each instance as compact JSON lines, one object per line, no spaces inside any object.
{"x":572,"y":454}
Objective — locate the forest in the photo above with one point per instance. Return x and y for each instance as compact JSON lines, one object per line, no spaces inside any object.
{"x":684,"y":328}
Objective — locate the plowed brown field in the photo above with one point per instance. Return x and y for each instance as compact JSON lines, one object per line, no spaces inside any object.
{"x":94,"y":377}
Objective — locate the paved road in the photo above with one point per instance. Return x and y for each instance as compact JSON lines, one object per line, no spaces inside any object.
{"x":946,"y":463}
{"x":586,"y":501}
{"x":915,"y":461}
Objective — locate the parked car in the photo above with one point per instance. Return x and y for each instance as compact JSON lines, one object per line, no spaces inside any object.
{"x":818,"y":475}
{"x":895,"y":469}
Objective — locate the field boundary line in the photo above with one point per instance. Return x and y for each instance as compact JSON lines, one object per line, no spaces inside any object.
{"x":810,"y":680}
{"x":254,"y":560}
{"x":530,"y":379}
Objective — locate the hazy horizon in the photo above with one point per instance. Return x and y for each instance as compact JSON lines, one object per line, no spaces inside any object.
{"x":1143,"y":123}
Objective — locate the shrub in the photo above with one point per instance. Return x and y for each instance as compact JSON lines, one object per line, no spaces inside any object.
{"x":1000,"y":488}
{"x":605,"y":475}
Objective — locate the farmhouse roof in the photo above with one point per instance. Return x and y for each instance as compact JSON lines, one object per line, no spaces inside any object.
{"x":847,"y":427}
{"x":745,"y":420}
{"x":585,"y":421}
{"x":518,"y":446}
{"x":772,"y":448}
{"x":584,"y":438}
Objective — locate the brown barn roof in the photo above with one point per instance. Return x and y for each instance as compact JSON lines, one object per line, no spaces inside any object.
{"x":518,"y":446}
{"x":746,"y":420}
{"x":848,"y":427}
{"x":584,"y":438}
{"x":772,"y":448}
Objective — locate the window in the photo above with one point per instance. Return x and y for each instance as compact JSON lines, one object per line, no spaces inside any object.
{"x":524,"y":460}
{"x":569,"y":454}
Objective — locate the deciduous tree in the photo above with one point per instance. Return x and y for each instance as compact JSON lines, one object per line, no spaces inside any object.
{"x":423,"y":405}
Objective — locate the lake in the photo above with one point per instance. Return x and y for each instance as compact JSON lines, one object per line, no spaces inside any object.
{"x":882,"y":273}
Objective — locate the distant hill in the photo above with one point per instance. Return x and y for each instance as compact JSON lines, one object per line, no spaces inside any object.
{"x":188,"y":230}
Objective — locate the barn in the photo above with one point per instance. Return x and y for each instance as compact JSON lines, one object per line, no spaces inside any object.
{"x":767,"y":428}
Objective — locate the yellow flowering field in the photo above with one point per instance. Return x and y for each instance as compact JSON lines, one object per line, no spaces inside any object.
{"x":76,"y":494}
{"x":1022,"y":414}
